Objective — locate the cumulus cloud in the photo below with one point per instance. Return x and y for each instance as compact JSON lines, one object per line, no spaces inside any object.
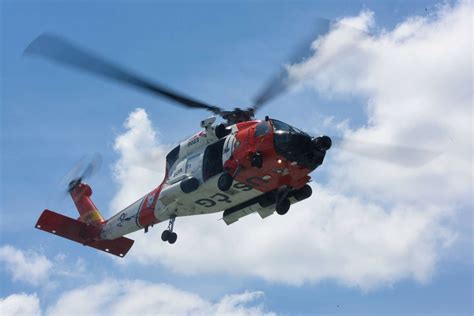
{"x":33,"y":268}
{"x":417,"y":80}
{"x":125,"y":297}
{"x":329,"y":236}
{"x":20,"y":305}
{"x":373,"y":223}
{"x":141,"y":160}
{"x":26,"y":266}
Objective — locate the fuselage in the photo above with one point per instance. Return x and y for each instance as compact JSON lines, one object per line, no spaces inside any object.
{"x":193,"y":169}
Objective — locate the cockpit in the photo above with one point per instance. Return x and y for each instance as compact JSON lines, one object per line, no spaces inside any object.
{"x":279,"y":126}
{"x":295,"y":145}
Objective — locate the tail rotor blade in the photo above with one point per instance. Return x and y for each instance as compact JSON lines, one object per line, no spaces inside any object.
{"x":92,"y":167}
{"x":73,"y":173}
{"x":84,"y":169}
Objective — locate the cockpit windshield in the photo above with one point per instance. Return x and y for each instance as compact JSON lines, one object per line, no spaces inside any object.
{"x":281,"y":126}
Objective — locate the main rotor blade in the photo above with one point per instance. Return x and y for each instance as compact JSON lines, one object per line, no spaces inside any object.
{"x":280,"y":83}
{"x":406,"y":156}
{"x":62,"y":51}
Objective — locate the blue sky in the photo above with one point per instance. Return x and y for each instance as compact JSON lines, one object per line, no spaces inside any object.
{"x":222,"y":53}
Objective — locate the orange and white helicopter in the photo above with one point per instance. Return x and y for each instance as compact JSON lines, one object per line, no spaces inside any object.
{"x":238,"y":167}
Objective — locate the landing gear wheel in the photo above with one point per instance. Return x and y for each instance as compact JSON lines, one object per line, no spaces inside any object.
{"x":172,"y":238}
{"x":165,"y":235}
{"x":225,"y":182}
{"x":303,"y":193}
{"x":283,"y":207}
{"x":266,"y":200}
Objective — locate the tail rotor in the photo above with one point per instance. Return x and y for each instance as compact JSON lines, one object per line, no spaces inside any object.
{"x":84,"y":169}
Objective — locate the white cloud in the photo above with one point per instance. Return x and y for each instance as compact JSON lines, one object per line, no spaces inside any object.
{"x":373,"y":223}
{"x":20,"y":305}
{"x":125,"y":297}
{"x":33,"y":268}
{"x":26,"y":266}
{"x":141,"y":160}
{"x":418,"y":83}
{"x":328,"y":236}
{"x":237,"y":304}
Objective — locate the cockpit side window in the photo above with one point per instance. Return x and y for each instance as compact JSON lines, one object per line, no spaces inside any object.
{"x":261,"y":129}
{"x":172,"y":157}
{"x":281,"y":126}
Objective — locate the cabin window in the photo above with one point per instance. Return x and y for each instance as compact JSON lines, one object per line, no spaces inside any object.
{"x":262,"y":129}
{"x":172,"y":157}
{"x":212,"y":160}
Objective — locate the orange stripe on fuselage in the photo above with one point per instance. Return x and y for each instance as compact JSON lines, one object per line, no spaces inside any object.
{"x":146,"y":215}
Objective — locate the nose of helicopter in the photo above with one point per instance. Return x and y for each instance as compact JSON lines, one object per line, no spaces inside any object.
{"x":322,"y":142}
{"x":305,"y":150}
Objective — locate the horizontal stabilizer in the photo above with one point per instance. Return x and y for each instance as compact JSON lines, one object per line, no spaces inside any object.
{"x":81,"y":232}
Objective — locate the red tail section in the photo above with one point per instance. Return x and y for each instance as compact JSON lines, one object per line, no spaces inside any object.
{"x":89,"y":213}
{"x":87,"y":228}
{"x":81,"y":232}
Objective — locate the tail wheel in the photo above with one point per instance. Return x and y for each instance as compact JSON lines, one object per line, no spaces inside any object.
{"x":168,"y":235}
{"x":172,"y":238}
{"x":283,"y":207}
{"x":165,"y":235}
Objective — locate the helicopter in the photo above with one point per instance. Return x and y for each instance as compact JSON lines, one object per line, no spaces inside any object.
{"x":241,"y":166}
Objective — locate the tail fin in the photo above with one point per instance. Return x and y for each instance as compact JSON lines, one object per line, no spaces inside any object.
{"x":89,"y":213}
{"x":81,"y":232}
{"x":87,"y":228}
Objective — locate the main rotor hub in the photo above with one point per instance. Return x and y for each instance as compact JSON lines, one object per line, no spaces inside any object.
{"x":238,"y":115}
